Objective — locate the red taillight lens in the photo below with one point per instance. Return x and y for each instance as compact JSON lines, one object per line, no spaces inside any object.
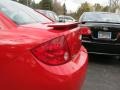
{"x":53,"y":52}
{"x":74,"y":42}
{"x":85,"y":31}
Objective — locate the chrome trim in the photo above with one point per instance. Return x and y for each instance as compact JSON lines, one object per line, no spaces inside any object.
{"x":104,"y":53}
{"x":85,"y":41}
{"x":105,"y":28}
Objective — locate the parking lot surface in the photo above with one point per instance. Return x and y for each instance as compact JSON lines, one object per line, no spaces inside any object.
{"x":103,"y":73}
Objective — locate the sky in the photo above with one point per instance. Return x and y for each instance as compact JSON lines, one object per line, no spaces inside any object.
{"x":72,"y":5}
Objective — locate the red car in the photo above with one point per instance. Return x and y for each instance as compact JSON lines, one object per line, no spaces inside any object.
{"x":38,"y":54}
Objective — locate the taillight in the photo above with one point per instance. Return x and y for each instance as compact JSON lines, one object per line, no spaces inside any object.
{"x":85,"y":31}
{"x":53,"y":52}
{"x":74,"y":42}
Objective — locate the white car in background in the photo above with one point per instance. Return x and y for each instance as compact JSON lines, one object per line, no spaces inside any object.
{"x":64,"y":18}
{"x":50,"y":14}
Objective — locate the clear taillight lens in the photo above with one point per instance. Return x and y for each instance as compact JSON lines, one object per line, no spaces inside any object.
{"x":53,"y":52}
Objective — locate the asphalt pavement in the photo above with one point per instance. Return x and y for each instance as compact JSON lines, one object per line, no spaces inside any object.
{"x":103,"y":73}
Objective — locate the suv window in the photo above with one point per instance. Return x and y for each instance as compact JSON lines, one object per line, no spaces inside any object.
{"x":101,"y":17}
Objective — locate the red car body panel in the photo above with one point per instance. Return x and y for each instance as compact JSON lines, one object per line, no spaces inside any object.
{"x":21,"y":70}
{"x":25,"y":73}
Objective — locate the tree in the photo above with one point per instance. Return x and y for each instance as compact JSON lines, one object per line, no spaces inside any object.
{"x":58,"y":8}
{"x":46,"y":4}
{"x":85,"y":7}
{"x":33,"y":4}
{"x":105,"y":9}
{"x":97,"y":7}
{"x":65,"y":10}
{"x":25,"y":2}
{"x":114,"y":5}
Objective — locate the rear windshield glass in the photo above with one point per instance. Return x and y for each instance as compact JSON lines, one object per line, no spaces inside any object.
{"x":21,"y":14}
{"x":101,"y":17}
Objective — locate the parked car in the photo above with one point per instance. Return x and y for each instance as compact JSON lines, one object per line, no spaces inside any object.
{"x":105,"y":32}
{"x":50,"y":14}
{"x":64,"y":18}
{"x":38,"y":54}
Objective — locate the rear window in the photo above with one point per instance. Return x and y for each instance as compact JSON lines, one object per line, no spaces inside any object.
{"x":21,"y":14}
{"x":101,"y":17}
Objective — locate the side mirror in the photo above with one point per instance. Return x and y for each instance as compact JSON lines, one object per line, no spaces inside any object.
{"x":85,"y":31}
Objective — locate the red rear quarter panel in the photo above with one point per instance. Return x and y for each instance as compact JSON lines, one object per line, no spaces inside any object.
{"x":27,"y":73}
{"x":20,"y":70}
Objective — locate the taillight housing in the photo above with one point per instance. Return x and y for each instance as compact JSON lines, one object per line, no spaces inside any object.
{"x":53,"y":52}
{"x":85,"y":31}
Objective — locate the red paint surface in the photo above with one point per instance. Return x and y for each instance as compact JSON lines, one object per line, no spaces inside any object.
{"x":21,"y":70}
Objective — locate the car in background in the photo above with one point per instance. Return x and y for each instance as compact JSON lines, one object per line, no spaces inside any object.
{"x":50,"y":14}
{"x":64,"y":18}
{"x":105,"y":32}
{"x":38,"y":54}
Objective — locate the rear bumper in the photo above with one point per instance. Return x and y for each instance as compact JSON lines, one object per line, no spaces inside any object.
{"x":69,"y":76}
{"x":27,"y":73}
{"x":102,"y":48}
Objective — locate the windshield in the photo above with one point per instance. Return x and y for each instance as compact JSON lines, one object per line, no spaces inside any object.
{"x":101,"y":17}
{"x":21,"y":14}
